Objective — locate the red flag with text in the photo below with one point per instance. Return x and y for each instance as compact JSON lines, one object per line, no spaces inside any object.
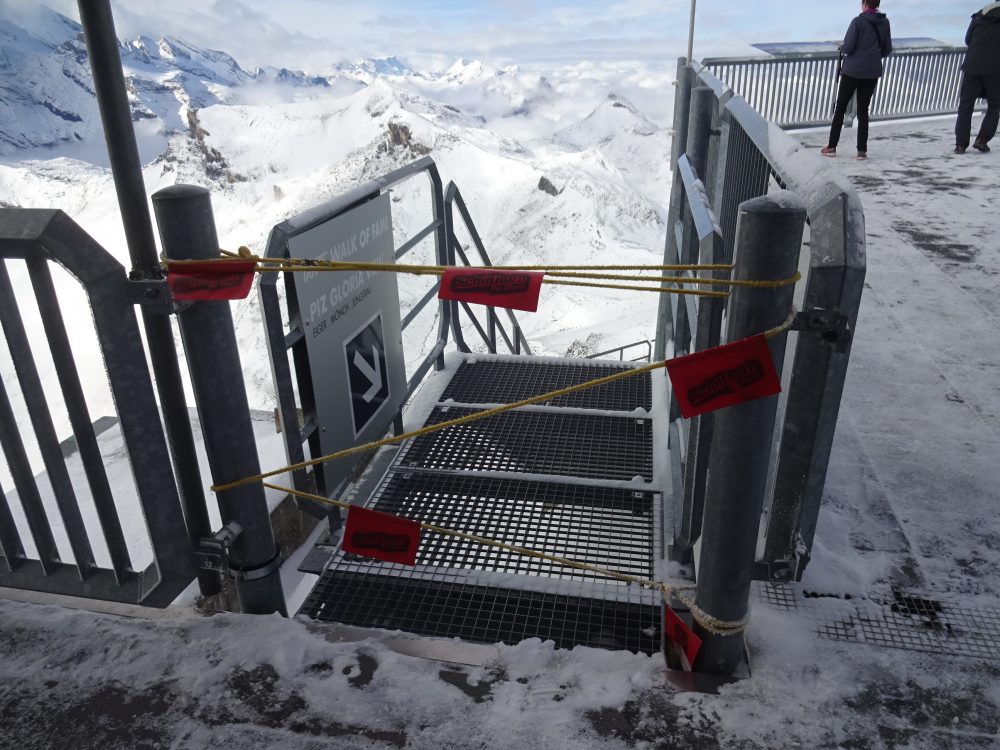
{"x":211,"y":280}
{"x":516,"y":290}
{"x":723,"y":376}
{"x":686,"y":641}
{"x":379,"y":535}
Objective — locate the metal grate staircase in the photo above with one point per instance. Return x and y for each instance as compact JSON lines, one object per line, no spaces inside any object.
{"x":573,"y":478}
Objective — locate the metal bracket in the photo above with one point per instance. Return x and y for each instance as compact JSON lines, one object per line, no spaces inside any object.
{"x":261,"y":571}
{"x":776,"y":571}
{"x":154,"y":296}
{"x":787,"y":570}
{"x":834,"y":327}
{"x":213,"y":554}
{"x":213,"y":551}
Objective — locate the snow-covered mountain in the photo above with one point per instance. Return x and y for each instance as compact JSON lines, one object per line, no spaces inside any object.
{"x":584,"y":186}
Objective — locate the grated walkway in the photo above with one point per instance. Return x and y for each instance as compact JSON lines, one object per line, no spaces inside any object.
{"x":573,"y":478}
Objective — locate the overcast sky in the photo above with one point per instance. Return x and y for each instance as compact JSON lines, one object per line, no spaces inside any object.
{"x":429,"y":34}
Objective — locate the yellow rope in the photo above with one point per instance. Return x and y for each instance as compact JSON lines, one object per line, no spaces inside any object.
{"x":391,"y":440}
{"x":705,"y":620}
{"x":660,"y":289}
{"x":684,"y":280}
{"x":292,"y":265}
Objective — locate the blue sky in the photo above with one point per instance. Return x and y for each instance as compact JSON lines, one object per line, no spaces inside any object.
{"x":312,"y":34}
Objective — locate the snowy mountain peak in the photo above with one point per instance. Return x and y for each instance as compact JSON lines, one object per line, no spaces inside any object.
{"x":386,"y":66}
{"x":467,"y":71}
{"x":169,"y":53}
{"x":616,"y":101}
{"x":31,"y":21}
{"x":370,"y":68}
{"x":612,"y":119}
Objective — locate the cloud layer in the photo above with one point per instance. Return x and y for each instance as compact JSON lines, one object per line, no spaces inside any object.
{"x":313,"y":34}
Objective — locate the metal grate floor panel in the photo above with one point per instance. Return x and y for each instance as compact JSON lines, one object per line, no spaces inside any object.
{"x":482,"y":614}
{"x":609,"y":527}
{"x":894,"y":620}
{"x":598,"y":447}
{"x":504,"y":382}
{"x":478,"y":593}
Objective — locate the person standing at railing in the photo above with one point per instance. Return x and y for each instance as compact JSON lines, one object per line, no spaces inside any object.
{"x":980,"y":79}
{"x":867,"y":42}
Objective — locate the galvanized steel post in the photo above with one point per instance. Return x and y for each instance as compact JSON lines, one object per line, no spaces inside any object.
{"x":126,"y":167}
{"x":682,"y":103}
{"x":769,"y":240}
{"x":699,"y":132}
{"x":187,"y":231}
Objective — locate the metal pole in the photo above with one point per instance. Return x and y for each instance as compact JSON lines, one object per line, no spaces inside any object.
{"x":769,"y":240}
{"x":109,"y":85}
{"x":671,"y":253}
{"x":694,"y":5}
{"x":187,"y":231}
{"x":699,"y":133}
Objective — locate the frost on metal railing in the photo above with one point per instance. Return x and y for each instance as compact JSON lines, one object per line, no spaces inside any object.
{"x":800,"y":90}
{"x":726,"y":153}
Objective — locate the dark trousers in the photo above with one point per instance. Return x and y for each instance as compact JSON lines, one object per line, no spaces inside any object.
{"x":977,"y":87}
{"x":865,"y":88}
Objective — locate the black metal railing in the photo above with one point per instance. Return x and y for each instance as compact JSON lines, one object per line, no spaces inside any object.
{"x":726,"y":153}
{"x":40,"y":238}
{"x":795,"y":91}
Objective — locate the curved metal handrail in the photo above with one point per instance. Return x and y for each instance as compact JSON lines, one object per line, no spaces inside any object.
{"x":516,"y":344}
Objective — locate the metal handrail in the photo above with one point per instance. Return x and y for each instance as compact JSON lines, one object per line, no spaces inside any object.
{"x":42,"y":238}
{"x":279,"y":343}
{"x":726,"y":153}
{"x":516,"y":343}
{"x":620,"y":351}
{"x":800,"y":90}
{"x":445,"y":247}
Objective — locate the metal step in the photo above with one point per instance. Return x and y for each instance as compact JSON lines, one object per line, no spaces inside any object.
{"x":572,"y":479}
{"x":482,"y":614}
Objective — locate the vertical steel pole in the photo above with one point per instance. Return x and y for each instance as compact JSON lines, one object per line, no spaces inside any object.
{"x":699,"y":133}
{"x":682,"y":103}
{"x":769,"y":240}
{"x":116,"y":116}
{"x":187,"y":231}
{"x":694,"y":5}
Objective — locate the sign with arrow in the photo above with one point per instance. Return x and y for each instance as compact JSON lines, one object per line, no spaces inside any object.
{"x":366,"y":372}
{"x":355,"y":380}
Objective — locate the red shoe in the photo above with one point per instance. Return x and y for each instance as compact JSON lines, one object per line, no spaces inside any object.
{"x":828,"y":151}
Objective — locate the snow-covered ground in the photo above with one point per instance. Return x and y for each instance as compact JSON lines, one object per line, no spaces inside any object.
{"x":911,"y":506}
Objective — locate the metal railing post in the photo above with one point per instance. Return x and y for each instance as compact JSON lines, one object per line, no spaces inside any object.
{"x":699,"y":133}
{"x":769,"y":241}
{"x":682,"y":103}
{"x":126,"y":167}
{"x":187,"y":231}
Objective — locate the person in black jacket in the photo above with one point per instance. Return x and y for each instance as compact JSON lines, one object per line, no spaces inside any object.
{"x":980,"y":79}
{"x":867,"y":43}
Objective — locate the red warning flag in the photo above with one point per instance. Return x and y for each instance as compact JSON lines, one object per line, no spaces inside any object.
{"x":684,"y":639}
{"x":516,"y":290}
{"x":723,"y":376}
{"x":211,"y":280}
{"x":372,"y":534}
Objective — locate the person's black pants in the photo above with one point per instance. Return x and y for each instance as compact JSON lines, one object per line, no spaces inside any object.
{"x":865,"y":88}
{"x":977,"y":87}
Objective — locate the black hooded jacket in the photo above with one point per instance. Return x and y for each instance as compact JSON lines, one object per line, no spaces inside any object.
{"x":868,"y":40}
{"x":983,"y":40}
